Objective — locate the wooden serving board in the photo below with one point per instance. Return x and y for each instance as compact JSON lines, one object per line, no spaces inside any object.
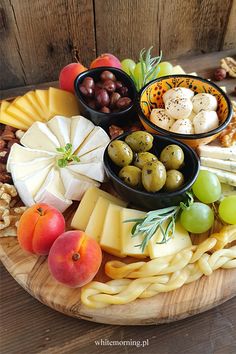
{"x":31,"y":272}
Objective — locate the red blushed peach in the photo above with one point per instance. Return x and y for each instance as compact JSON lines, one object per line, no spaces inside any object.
{"x":106,"y":60}
{"x":74,"y":258}
{"x":68,"y":75}
{"x":38,"y":228}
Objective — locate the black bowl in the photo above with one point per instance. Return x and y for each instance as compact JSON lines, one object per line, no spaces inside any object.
{"x":162,"y":199}
{"x":106,"y":119}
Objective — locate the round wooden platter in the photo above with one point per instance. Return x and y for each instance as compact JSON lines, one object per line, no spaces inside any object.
{"x":31,"y":272}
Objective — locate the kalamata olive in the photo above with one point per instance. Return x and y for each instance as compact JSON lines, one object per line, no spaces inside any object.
{"x":123,"y":91}
{"x":131,"y":175}
{"x":153,"y":176}
{"x":172,"y":156}
{"x":114,"y":98}
{"x":174,"y":180}
{"x":99,"y":84}
{"x":139,"y":141}
{"x":102,"y":98}
{"x":86,"y":91}
{"x":107,"y":75}
{"x":88,"y":82}
{"x":109,"y":85}
{"x":97,"y":89}
{"x":105,"y":110}
{"x":141,"y":158}
{"x":123,"y":102}
{"x":120,"y":153}
{"x":91,"y":103}
{"x":118,"y":85}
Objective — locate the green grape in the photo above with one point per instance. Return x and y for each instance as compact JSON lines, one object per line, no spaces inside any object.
{"x":165,"y":69}
{"x":128,"y":65}
{"x":197,"y":218}
{"x":227,"y":209}
{"x":207,"y":187}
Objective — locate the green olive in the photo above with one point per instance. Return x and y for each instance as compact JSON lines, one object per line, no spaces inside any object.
{"x":172,"y":156}
{"x":120,"y":153}
{"x":131,"y":175}
{"x":139,"y":141}
{"x":174,"y":180}
{"x":141,"y":158}
{"x":153,"y":176}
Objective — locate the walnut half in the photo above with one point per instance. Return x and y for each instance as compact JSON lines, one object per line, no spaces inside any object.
{"x":229,"y":64}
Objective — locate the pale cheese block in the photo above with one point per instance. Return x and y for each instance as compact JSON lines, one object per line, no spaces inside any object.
{"x":43,"y":113}
{"x":17,"y":113}
{"x":24,"y":154}
{"x":224,"y":176}
{"x":95,"y":224}
{"x":25,"y":105}
{"x":110,"y":240}
{"x":60,"y":127}
{"x":225,"y":165}
{"x":62,"y":103}
{"x":75,"y":184}
{"x":129,"y":244}
{"x":40,"y":137}
{"x":43,"y":99}
{"x":87,"y":204}
{"x":8,"y":119}
{"x":97,"y":138}
{"x":177,"y":70}
{"x":94,"y":170}
{"x":52,"y":192}
{"x":176,"y":243}
{"x":20,"y":170}
{"x":80,"y":129}
{"x":218,"y":152}
{"x":93,"y":156}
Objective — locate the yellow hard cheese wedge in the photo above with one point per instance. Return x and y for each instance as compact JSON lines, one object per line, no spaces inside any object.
{"x":25,"y":106}
{"x":111,"y":234}
{"x":129,"y":244}
{"x":62,"y":103}
{"x":8,"y":119}
{"x":17,"y":113}
{"x":87,"y":204}
{"x":43,"y":99}
{"x":176,"y":243}
{"x":43,"y":113}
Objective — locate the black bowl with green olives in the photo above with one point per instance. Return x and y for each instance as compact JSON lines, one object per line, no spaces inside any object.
{"x":150,"y":171}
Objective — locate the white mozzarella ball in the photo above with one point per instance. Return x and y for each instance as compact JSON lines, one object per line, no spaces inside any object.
{"x":204,"y":102}
{"x":161,"y":119}
{"x":205,"y":121}
{"x":179,"y":108}
{"x":177,"y":92}
{"x":192,"y":115}
{"x":182,"y":126}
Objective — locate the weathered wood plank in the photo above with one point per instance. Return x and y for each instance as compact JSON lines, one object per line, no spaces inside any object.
{"x":230,"y":34}
{"x":39,"y":38}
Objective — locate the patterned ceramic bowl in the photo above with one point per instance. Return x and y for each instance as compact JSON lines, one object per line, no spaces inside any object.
{"x":150,"y":97}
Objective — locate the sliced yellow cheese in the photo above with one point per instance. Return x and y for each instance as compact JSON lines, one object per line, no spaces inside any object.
{"x":17,"y":113}
{"x":87,"y":204}
{"x":179,"y":241}
{"x":8,"y":119}
{"x":62,"y":103}
{"x":129,"y":244}
{"x":111,"y":234}
{"x":31,"y":97}
{"x":43,"y":99}
{"x":25,"y":106}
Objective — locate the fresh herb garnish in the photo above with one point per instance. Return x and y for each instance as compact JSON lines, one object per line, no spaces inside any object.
{"x":67,"y":156}
{"x":157,"y":219}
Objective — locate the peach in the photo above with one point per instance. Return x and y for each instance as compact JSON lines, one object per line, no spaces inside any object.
{"x":106,"y":60}
{"x":74,"y":258}
{"x":68,"y":75}
{"x":38,"y":228}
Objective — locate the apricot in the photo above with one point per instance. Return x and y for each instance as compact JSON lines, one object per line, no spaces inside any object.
{"x":74,"y":258}
{"x":38,"y":228}
{"x":106,"y":60}
{"x":68,"y":75}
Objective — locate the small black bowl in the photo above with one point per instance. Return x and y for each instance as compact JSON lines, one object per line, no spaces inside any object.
{"x":106,"y":119}
{"x":162,"y":199}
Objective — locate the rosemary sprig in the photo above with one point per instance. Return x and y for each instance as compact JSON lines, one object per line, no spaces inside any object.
{"x":162,"y":219}
{"x":67,"y":156}
{"x":149,"y":68}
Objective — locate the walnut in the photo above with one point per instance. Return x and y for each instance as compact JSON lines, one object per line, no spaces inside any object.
{"x":228,"y":135}
{"x":229,"y":64}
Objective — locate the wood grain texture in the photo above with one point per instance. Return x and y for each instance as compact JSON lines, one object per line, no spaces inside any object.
{"x":39,"y":37}
{"x":230,"y":33}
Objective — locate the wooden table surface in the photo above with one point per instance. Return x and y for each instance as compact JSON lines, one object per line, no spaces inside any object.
{"x":28,"y":326}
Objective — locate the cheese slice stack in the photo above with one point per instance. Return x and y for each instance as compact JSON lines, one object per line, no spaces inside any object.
{"x":35,"y":169}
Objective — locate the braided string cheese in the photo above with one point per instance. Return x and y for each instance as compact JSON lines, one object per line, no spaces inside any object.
{"x":159,"y":275}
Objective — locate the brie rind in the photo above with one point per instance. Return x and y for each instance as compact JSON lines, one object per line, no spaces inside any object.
{"x":97,"y":138}
{"x":60,"y":127}
{"x":94,"y":170}
{"x":80,"y":129}
{"x":24,"y":169}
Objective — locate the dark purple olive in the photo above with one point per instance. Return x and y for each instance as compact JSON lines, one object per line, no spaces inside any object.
{"x":88,"y":82}
{"x":91,"y":103}
{"x":105,"y":110}
{"x":87,"y":92}
{"x":107,"y":75}
{"x":123,"y":91}
{"x":99,"y":84}
{"x":118,"y":85}
{"x":102,"y":98}
{"x":123,"y":103}
{"x":114,"y":98}
{"x":109,"y":85}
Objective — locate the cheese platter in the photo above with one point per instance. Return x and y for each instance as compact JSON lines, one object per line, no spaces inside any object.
{"x":123,"y":231}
